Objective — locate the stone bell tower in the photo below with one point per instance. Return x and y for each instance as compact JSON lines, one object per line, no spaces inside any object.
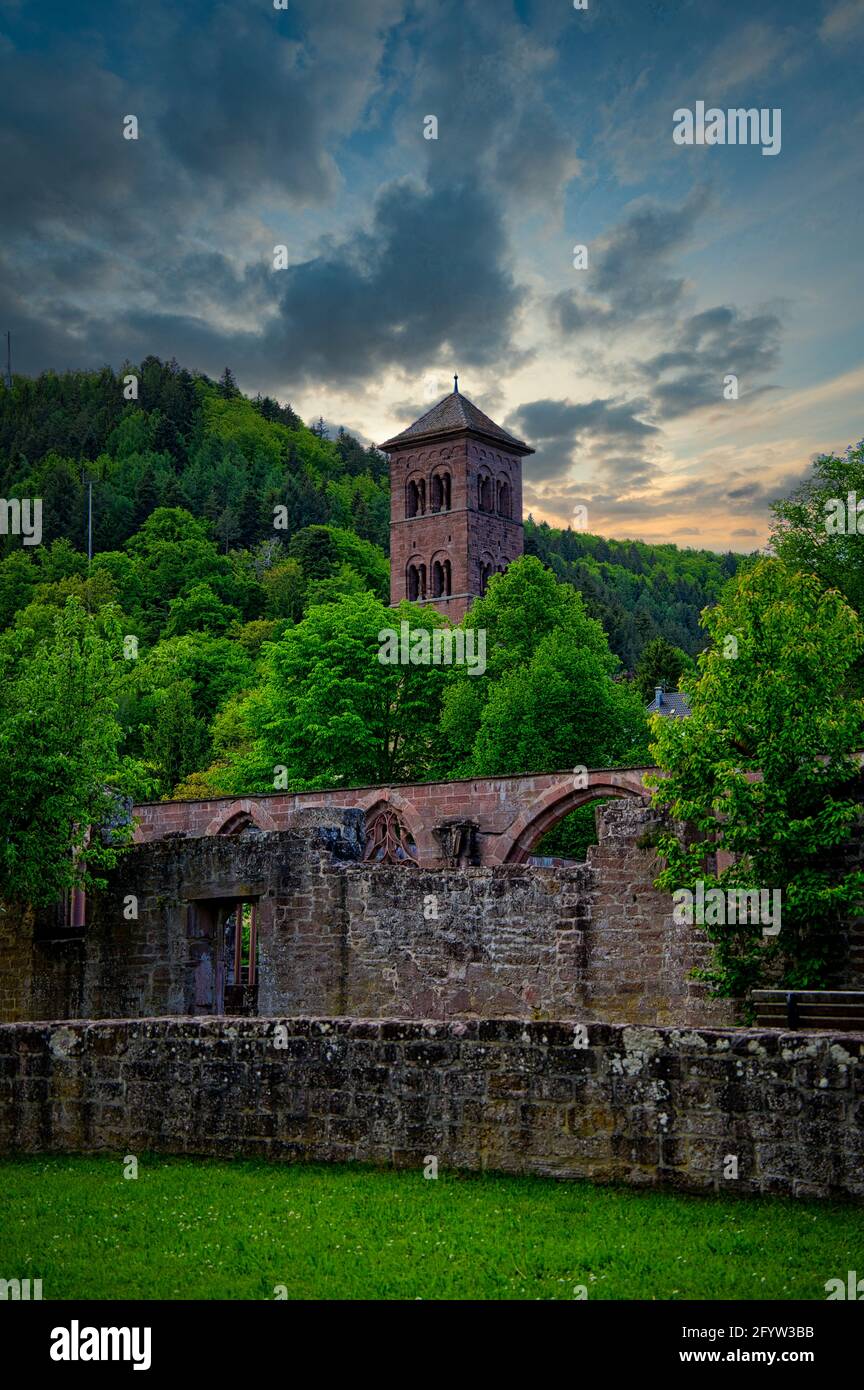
{"x":455,"y":505}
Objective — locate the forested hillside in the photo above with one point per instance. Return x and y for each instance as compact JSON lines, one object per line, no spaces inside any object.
{"x":193,"y":443}
{"x":238,"y":583}
{"x":638,"y":591}
{"x":186,"y":441}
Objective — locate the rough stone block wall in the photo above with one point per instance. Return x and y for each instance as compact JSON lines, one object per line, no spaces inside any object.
{"x":595,"y":939}
{"x":336,"y":936}
{"x":16,"y":964}
{"x":645,"y":1106}
{"x":133,"y":966}
{"x":460,"y":943}
{"x":638,"y":960}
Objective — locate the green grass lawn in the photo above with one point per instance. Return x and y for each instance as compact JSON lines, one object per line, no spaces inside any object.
{"x":200,"y":1228}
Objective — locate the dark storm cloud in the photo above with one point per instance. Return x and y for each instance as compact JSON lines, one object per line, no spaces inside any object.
{"x":534,"y":155}
{"x":629,"y":278}
{"x":559,"y":430}
{"x":63,"y":161}
{"x":241,"y":107}
{"x":547,"y":420}
{"x":706,"y":348}
{"x":245,"y":98}
{"x":628,"y":472}
{"x":431,"y":272}
{"x":492,"y":83}
{"x":630,"y":264}
{"x":575,"y":313}
{"x":138,"y":240}
{"x":628,"y":273}
{"x":49,"y":330}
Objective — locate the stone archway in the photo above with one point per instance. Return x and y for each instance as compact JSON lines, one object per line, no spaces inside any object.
{"x":552,"y":805}
{"x":238,"y":815}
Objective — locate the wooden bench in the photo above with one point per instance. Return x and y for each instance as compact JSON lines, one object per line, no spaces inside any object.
{"x":840,"y":1010}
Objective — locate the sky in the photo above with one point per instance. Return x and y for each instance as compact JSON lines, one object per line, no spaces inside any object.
{"x":410,"y":258}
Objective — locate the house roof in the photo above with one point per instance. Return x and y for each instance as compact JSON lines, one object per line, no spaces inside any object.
{"x":671,"y":702}
{"x":454,"y":415}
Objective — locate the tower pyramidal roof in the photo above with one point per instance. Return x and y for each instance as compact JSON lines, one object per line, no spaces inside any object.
{"x":454,"y":415}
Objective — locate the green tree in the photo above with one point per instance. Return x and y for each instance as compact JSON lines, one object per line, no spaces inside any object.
{"x":322,"y":550}
{"x":560,"y":710}
{"x":520,"y":610}
{"x":284,"y":585}
{"x":660,"y":664}
{"x":214,"y":667}
{"x":345,"y":580}
{"x":330,"y":712}
{"x":172,"y":553}
{"x":59,"y":741}
{"x":805,"y":535}
{"x":18,"y":575}
{"x":177,"y":742}
{"x":199,"y":610}
{"x":765,"y":769}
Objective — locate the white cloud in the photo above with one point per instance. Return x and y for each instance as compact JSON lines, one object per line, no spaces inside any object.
{"x":842,"y":21}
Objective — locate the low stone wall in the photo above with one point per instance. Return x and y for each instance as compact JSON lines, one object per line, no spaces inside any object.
{"x":736,"y":1110}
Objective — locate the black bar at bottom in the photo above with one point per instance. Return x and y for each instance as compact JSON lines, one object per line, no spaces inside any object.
{"x":189,"y":1338}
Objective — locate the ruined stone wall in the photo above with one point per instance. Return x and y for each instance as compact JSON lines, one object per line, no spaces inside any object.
{"x":503,"y":808}
{"x":650,"y":1107}
{"x":595,"y":941}
{"x":336,"y":936}
{"x":16,"y":964}
{"x":126,"y":965}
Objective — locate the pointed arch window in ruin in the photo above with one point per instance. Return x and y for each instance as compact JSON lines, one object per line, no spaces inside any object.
{"x":236,"y":824}
{"x":388,"y":841}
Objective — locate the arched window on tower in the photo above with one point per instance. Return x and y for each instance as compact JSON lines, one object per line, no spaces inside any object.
{"x":504,"y":504}
{"x":486,"y":572}
{"x":439,"y":496}
{"x":484,"y":493}
{"x":441,"y":579}
{"x":415,"y":501}
{"x":416,"y":582}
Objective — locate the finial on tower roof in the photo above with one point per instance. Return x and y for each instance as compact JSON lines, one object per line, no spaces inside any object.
{"x":456,"y":385}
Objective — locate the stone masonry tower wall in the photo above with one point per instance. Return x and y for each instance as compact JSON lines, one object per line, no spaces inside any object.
{"x":455,"y":508}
